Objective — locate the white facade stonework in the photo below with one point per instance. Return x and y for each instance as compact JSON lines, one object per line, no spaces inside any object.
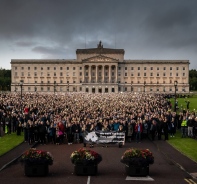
{"x":100,"y":70}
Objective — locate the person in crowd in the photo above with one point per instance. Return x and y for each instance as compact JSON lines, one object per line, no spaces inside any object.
{"x":129,"y":132}
{"x":76,"y":131}
{"x":184,"y":127}
{"x":69,"y":133}
{"x":165,"y":128}
{"x":190,"y":124}
{"x":153,"y":129}
{"x":172,"y":127}
{"x":138,"y":130}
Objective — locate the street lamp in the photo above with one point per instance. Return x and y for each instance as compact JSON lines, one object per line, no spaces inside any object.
{"x":175,"y":86}
{"x":67,"y":86}
{"x":131,"y":87}
{"x":21,"y":85}
{"x":144,"y":85}
{"x":54,"y":86}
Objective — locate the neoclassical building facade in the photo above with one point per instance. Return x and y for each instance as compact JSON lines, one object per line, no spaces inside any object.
{"x":99,"y":70}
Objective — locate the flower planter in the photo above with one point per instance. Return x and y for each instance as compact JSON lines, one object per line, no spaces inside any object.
{"x":133,"y":170}
{"x":36,"y":169}
{"x":85,"y":169}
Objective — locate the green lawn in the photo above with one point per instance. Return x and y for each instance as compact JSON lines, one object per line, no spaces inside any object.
{"x":182,"y":104}
{"x":8,"y":142}
{"x":187,"y":146}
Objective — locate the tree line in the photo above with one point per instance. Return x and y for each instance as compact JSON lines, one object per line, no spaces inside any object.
{"x":5,"y":79}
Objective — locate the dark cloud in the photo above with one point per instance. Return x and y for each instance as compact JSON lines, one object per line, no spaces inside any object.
{"x":51,"y":28}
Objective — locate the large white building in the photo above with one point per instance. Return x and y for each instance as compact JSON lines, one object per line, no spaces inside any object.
{"x":99,"y":70}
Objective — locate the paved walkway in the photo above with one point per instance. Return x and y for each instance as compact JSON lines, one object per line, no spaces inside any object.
{"x":62,"y":169}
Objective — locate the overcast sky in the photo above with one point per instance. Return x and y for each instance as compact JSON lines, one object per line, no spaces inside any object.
{"x":145,"y":29}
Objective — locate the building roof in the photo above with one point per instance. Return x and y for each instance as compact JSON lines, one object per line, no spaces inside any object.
{"x":100,"y":50}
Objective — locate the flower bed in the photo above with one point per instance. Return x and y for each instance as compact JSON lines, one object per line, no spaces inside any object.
{"x":85,"y":157}
{"x":34,"y":156}
{"x":138,"y":157}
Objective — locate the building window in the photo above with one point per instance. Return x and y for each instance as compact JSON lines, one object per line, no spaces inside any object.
{"x":48,"y":68}
{"x":170,"y":68}
{"x":54,"y":68}
{"x":54,"y":74}
{"x":119,"y":74}
{"x":35,"y":68}
{"x":138,"y":68}
{"x":42,"y":82}
{"x":74,"y":81}
{"x":177,"y":74}
{"x":164,"y":74}
{"x":125,"y":88}
{"x":48,"y":82}
{"x":80,"y":73}
{"x":125,"y":68}
{"x":15,"y":67}
{"x":151,"y":74}
{"x":28,"y":68}
{"x":125,"y":74}
{"x":87,"y":74}
{"x":35,"y":74}
{"x":170,"y":74}
{"x":28,"y":74}
{"x":42,"y":89}
{"x":119,"y":68}
{"x":151,"y":68}
{"x":36,"y":82}
{"x":22,"y":74}
{"x":106,"y":73}
{"x":80,"y":68}
{"x":29,"y":88}
{"x":61,"y":81}
{"x":61,"y":68}
{"x":73,"y":73}
{"x":48,"y":74}
{"x":164,"y":68}
{"x":132,"y":68}
{"x":183,"y":74}
{"x":157,"y":68}
{"x":67,"y":73}
{"x":16,"y":74}
{"x":144,"y":68}
{"x":41,"y":68}
{"x":67,"y":68}
{"x":61,"y":74}
{"x":48,"y":88}
{"x":183,"y":68}
{"x":132,"y":74}
{"x":22,"y":68}
{"x":157,"y":74}
{"x":138,"y":74}
{"x":73,"y":68}
{"x":177,"y":68}
{"x":144,"y":74}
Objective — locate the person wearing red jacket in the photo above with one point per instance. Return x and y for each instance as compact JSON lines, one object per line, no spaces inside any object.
{"x":138,"y":130}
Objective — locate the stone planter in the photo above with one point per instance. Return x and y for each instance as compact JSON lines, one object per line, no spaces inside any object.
{"x":133,"y":170}
{"x":36,"y":169}
{"x":85,"y":169}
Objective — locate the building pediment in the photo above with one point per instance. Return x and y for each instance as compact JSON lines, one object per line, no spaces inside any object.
{"x":100,"y":58}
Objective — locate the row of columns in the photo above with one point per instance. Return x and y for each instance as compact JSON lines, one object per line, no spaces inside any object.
{"x":102,"y":71}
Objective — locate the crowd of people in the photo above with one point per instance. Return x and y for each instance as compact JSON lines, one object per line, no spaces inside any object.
{"x":65,"y":117}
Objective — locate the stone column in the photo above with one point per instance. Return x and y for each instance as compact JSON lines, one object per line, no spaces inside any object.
{"x":116,"y":73}
{"x":109,"y":73}
{"x":83,"y":74}
{"x":96,"y":73}
{"x":103,"y":73}
{"x":89,"y":72}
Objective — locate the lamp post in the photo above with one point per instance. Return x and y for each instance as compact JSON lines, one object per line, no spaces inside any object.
{"x":131,"y":87}
{"x":54,"y":87}
{"x":21,"y":85}
{"x":175,"y":86}
{"x":144,"y":86}
{"x":67,"y":86}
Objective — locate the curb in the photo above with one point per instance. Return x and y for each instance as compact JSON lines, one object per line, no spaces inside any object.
{"x":15,"y":159}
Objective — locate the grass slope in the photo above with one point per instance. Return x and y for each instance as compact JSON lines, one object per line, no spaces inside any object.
{"x":186,"y":146}
{"x":9,"y":142}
